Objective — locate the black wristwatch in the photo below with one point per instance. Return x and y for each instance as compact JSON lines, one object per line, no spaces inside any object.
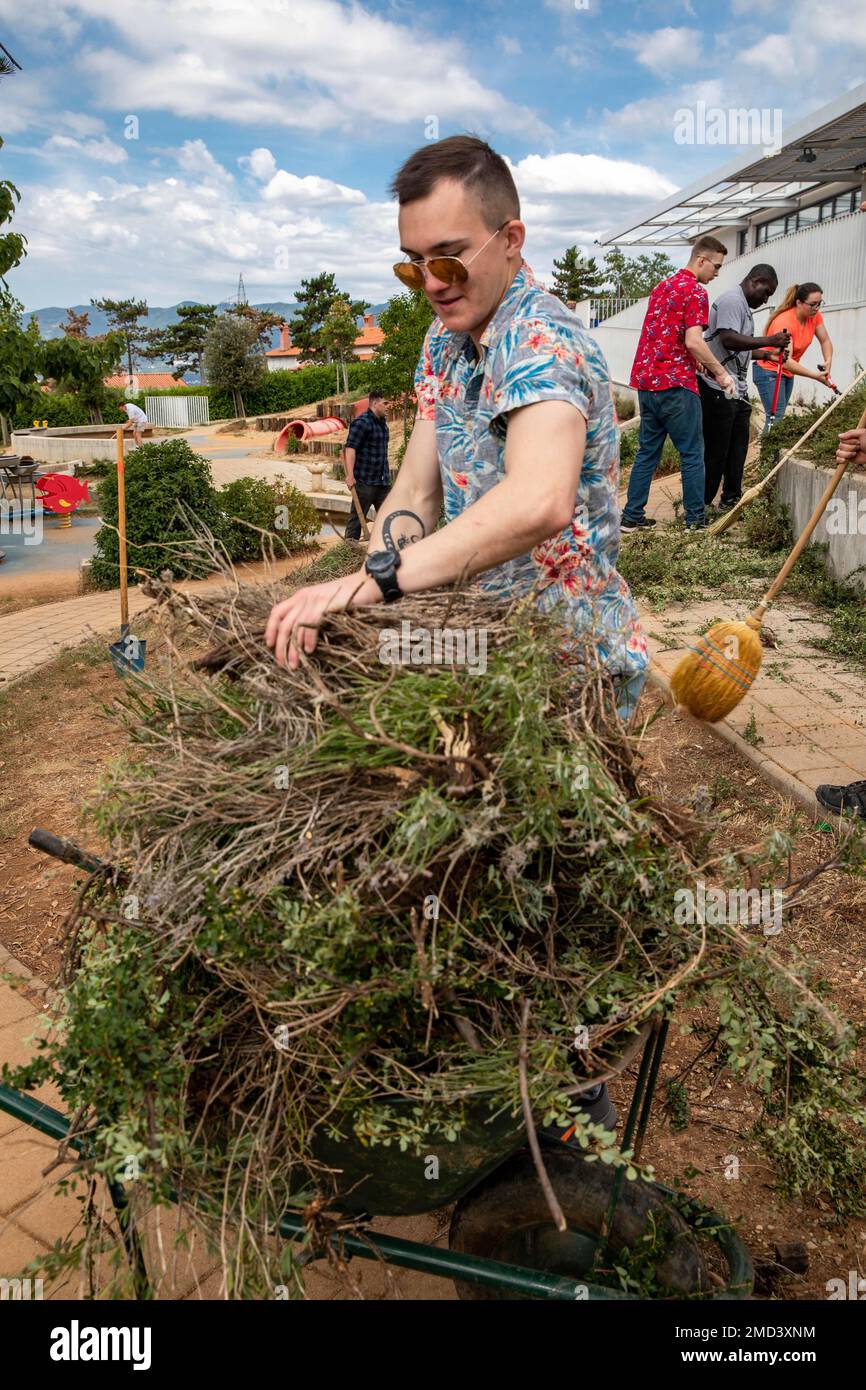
{"x":382,"y":565}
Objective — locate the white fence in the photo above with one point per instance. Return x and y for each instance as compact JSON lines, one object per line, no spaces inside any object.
{"x":175,"y":412}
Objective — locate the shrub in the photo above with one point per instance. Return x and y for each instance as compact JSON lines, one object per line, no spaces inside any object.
{"x":298,"y":520}
{"x":276,"y":507}
{"x":625,"y":407}
{"x":249,"y":500}
{"x":166,"y":484}
{"x":821,"y":448}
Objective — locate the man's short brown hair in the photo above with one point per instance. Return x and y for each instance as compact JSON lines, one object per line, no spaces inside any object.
{"x":469,"y":161}
{"x":706,"y":245}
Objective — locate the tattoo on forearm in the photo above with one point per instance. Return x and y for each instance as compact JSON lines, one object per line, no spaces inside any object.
{"x":408,"y":531}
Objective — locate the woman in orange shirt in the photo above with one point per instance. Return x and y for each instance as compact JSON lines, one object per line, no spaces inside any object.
{"x":800,"y":313}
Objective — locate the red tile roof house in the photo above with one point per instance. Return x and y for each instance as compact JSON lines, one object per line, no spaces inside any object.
{"x":288,"y":358}
{"x":145,"y":381}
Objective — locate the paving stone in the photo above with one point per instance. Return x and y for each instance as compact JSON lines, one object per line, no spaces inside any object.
{"x":23,"y":1155}
{"x":17,"y":1249}
{"x":13,"y":1006}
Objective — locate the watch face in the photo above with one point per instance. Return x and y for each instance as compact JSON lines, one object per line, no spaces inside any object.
{"x":382,"y":562}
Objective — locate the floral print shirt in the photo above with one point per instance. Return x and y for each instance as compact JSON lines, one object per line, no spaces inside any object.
{"x":662,"y":360}
{"x":535,"y":349}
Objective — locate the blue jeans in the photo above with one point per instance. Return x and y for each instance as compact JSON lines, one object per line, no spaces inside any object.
{"x":766,"y":384}
{"x":676,"y":412}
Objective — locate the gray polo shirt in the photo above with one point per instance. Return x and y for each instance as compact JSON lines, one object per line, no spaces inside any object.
{"x":731,"y":311}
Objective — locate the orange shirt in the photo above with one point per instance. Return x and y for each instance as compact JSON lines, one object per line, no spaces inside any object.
{"x":801,"y":335}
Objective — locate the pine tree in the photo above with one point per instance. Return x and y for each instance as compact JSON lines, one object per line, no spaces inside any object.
{"x":123,"y":314}
{"x":183,"y":342}
{"x":576,"y":277}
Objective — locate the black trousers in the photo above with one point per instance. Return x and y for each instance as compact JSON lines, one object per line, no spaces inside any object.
{"x":726,"y":441}
{"x":369,"y":495}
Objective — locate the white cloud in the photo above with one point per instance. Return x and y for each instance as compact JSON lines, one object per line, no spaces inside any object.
{"x":774,"y":53}
{"x":290,"y":188}
{"x":103,"y":149}
{"x":664,"y":51}
{"x":194,"y":157}
{"x":511,"y":47}
{"x":589,"y":175}
{"x":260,"y":162}
{"x":315,"y":65}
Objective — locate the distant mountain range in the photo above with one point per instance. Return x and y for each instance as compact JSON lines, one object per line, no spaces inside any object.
{"x":51,"y":319}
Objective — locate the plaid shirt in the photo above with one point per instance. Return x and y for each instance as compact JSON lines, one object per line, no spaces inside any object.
{"x":368,"y":436}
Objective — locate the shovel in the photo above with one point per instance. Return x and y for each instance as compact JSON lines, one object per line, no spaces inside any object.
{"x":129,"y":652}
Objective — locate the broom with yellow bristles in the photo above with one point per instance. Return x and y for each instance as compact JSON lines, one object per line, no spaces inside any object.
{"x":719,"y":669}
{"x":737,"y":510}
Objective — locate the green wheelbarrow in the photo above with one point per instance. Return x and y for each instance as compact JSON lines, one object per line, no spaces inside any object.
{"x":503,"y":1243}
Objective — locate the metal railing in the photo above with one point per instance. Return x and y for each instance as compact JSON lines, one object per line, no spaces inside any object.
{"x":601,"y":309}
{"x":175,"y":412}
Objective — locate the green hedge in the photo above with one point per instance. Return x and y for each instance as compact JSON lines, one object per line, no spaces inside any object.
{"x":279,"y":391}
{"x":285,"y":390}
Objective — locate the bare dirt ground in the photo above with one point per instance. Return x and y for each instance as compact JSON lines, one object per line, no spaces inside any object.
{"x":56,"y":742}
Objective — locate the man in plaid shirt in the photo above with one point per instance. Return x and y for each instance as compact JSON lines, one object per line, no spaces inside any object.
{"x":367,"y":461}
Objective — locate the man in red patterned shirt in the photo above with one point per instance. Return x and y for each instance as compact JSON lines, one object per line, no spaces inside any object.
{"x":665,"y":378}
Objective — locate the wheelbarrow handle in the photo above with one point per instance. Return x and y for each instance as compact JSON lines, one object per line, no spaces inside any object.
{"x":66,"y":850}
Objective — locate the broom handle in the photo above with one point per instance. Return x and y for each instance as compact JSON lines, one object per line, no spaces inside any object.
{"x":802,"y":541}
{"x":812,"y":428}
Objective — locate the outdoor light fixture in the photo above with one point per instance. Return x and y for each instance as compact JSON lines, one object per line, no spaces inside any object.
{"x":808,"y":156}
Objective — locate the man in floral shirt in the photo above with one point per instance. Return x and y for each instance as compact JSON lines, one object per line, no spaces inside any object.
{"x":515,"y":433}
{"x":665,"y":378}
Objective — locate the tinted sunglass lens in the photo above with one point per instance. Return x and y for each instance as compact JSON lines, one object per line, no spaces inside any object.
{"x":448,"y":270}
{"x":410,"y":274}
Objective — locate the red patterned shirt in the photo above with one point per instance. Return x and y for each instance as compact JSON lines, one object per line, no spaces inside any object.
{"x":662,"y":359}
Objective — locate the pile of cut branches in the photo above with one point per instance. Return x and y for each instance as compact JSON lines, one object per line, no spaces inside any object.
{"x":368,"y":899}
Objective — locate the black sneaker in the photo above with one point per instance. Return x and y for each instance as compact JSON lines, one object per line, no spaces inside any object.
{"x":646,"y":523}
{"x":599,"y":1110}
{"x":842,"y":799}
{"x":696,"y":525}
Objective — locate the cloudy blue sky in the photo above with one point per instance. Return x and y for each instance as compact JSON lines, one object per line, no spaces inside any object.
{"x":267,"y":130}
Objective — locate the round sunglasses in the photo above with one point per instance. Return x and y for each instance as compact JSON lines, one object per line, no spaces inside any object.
{"x":450,"y":270}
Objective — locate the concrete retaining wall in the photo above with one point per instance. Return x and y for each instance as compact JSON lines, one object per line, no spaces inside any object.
{"x":84,"y":442}
{"x":842,"y":527}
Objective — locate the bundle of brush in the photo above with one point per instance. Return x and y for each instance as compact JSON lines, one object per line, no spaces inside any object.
{"x":379,"y":863}
{"x":365,"y":896}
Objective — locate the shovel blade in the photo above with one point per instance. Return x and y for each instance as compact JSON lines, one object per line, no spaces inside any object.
{"x":129,"y":653}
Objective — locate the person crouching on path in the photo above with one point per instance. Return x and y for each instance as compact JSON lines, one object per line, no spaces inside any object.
{"x":136,"y":420}
{"x":665,"y":378}
{"x":800,"y":313}
{"x":367,"y":461}
{"x":515,"y":434}
{"x":731,"y":337}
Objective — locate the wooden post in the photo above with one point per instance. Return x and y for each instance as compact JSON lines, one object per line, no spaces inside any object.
{"x":121,"y":531}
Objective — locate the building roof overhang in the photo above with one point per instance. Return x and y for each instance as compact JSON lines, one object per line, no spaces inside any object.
{"x":828,"y":147}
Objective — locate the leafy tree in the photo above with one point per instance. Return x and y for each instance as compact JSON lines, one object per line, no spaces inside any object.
{"x":79,"y":365}
{"x":337,"y":335}
{"x":123,"y":314}
{"x":633,"y":277}
{"x":12,"y":244}
{"x":76,"y":325}
{"x":315,"y":298}
{"x":262,"y":320}
{"x":159,"y":531}
{"x":404,"y":323}
{"x":20,"y":363}
{"x":576,"y":277}
{"x":232,"y":357}
{"x":183,"y":341}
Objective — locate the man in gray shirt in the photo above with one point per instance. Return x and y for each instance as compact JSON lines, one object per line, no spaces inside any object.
{"x":730,"y":337}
